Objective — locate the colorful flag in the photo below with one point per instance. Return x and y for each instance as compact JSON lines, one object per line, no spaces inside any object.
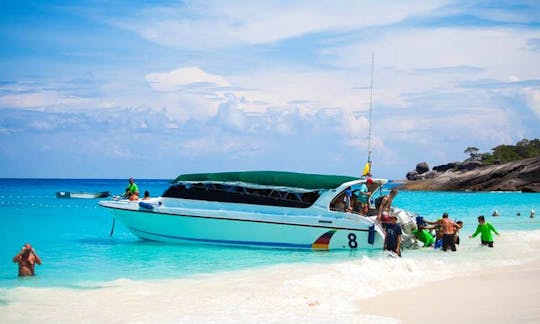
{"x":367,"y":169}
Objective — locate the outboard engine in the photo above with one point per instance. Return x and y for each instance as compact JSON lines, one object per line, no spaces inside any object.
{"x":407,"y":220}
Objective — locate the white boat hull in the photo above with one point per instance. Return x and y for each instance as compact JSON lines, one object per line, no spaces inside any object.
{"x":82,"y":195}
{"x":237,"y":225}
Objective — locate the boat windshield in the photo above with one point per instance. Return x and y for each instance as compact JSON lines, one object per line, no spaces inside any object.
{"x":358,"y":198}
{"x":237,"y":193}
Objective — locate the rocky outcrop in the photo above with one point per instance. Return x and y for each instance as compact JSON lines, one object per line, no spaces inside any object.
{"x":444,"y":167}
{"x":523,"y":175}
{"x":469,"y":165}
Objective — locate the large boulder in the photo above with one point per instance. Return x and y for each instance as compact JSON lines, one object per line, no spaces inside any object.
{"x":412,"y":175}
{"x":422,"y":167}
{"x":445,"y":167}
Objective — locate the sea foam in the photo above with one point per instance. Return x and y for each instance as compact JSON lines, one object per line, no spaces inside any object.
{"x":299,"y":292}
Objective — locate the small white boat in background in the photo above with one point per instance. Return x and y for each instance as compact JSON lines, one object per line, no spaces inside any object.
{"x":82,"y":195}
{"x":256,"y":209}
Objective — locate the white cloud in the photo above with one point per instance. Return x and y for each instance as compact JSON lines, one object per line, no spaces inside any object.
{"x":533,"y":100}
{"x":494,"y":50}
{"x":186,"y":76}
{"x":40,"y":100}
{"x":218,"y":24}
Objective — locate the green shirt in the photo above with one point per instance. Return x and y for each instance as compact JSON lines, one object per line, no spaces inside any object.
{"x":485,"y":231}
{"x":424,"y":236}
{"x":132,"y":188}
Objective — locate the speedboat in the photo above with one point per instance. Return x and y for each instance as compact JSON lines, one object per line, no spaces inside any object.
{"x":253,"y":209}
{"x":82,"y":195}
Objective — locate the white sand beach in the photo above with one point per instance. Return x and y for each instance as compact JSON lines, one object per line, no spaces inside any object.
{"x":501,"y":295}
{"x":285,"y":294}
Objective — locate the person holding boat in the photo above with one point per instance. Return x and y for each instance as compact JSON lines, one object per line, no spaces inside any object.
{"x":383,"y":214}
{"x":392,"y":239}
{"x":27,"y":259}
{"x":448,"y":228}
{"x":132,"y":191}
{"x":422,"y":234}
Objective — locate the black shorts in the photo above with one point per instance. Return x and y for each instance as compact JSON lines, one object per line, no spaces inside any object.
{"x":490,"y":244}
{"x":448,"y":242}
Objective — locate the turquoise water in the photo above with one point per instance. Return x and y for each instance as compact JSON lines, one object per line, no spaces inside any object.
{"x":72,"y":235}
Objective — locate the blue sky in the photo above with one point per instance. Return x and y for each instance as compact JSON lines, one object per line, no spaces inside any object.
{"x":153,"y":89}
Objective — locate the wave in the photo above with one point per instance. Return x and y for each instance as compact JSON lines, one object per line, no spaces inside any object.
{"x":305,"y":292}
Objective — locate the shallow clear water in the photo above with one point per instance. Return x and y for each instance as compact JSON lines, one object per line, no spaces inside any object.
{"x":72,"y":235}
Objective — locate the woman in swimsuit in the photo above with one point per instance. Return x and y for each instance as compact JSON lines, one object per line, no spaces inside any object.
{"x":27,"y":260}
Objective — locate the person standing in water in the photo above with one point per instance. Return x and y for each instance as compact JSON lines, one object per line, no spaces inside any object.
{"x":449,"y":228}
{"x":27,"y":259}
{"x":484,"y":228}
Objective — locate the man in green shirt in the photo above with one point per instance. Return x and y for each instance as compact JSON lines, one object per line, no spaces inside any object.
{"x":484,"y":229}
{"x":424,"y":236}
{"x":132,"y":191}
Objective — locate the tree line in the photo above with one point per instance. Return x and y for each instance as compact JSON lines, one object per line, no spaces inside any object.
{"x":505,"y":153}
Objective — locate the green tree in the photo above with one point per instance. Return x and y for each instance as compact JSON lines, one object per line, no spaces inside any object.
{"x":506,"y":153}
{"x":473,"y":153}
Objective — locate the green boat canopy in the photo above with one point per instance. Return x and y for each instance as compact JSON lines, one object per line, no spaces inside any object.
{"x":271,"y":178}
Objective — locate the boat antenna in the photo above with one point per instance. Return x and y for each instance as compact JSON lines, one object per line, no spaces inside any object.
{"x":367,"y":168}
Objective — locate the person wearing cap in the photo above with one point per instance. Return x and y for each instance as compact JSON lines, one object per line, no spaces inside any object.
{"x":392,"y":239}
{"x":132,"y":191}
{"x":27,"y":259}
{"x":364,"y":195}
